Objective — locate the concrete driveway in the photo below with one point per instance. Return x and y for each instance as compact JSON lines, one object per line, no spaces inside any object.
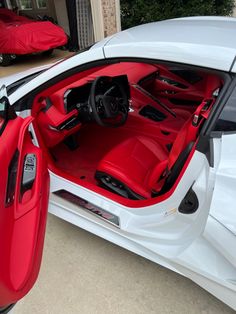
{"x":27,"y":62}
{"x":84,"y":274}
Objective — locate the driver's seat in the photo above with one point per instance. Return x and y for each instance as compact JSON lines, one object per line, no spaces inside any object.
{"x":140,"y":168}
{"x":127,"y":169}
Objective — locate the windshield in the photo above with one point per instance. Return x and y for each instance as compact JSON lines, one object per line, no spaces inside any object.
{"x":14,"y":86}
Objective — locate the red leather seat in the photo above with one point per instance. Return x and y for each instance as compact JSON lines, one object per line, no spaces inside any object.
{"x":137,"y":167}
{"x":133,"y":161}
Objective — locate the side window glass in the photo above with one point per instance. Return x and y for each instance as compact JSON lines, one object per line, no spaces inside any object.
{"x":26,"y":4}
{"x":227,"y":118}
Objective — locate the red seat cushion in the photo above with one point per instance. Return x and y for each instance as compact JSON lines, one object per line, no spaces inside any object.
{"x":140,"y":162}
{"x":133,"y":161}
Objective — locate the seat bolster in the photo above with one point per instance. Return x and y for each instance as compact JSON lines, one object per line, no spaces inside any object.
{"x":154,"y":147}
{"x":156,"y":174}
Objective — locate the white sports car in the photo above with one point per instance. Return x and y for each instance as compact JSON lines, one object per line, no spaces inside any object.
{"x":135,"y":139}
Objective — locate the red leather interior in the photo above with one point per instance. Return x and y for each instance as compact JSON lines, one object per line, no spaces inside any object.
{"x":133,"y":161}
{"x":170,"y":123}
{"x":175,"y":97}
{"x":136,"y":72}
{"x":23,"y":220}
{"x":95,"y":141}
{"x":56,"y":91}
{"x":139,"y":131}
{"x":50,"y":120}
{"x":139,"y":162}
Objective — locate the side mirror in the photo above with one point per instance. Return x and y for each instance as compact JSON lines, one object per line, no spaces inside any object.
{"x":4,"y":102}
{"x":3,"y":91}
{"x":6,"y":111}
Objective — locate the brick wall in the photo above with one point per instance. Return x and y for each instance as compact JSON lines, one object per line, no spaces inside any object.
{"x":234,"y":10}
{"x":109,"y":17}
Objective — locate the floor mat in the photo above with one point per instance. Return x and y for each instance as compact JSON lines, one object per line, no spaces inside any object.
{"x":94,"y":142}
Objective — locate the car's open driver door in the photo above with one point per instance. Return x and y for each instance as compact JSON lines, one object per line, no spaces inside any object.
{"x":24,"y":192}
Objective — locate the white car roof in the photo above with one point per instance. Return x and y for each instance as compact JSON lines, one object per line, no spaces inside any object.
{"x":202,"y":41}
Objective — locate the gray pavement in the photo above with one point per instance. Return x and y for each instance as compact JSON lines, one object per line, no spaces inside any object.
{"x":82,"y":273}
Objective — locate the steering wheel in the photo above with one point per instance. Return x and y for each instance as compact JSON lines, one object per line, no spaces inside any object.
{"x":108,"y":102}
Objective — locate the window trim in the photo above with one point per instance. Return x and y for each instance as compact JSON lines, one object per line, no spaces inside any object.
{"x":9,"y":114}
{"x":229,"y":86}
{"x":11,"y":88}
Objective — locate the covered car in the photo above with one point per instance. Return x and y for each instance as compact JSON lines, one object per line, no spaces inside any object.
{"x":20,"y":35}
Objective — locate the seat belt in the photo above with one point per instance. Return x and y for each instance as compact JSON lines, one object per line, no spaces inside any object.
{"x":203,"y":111}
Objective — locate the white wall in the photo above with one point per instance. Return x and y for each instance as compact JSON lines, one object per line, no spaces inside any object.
{"x":62,"y":17}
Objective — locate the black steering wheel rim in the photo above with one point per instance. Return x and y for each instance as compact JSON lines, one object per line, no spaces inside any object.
{"x":113,"y":106}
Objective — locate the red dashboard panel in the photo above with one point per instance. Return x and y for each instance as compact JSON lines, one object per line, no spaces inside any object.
{"x":53,"y":125}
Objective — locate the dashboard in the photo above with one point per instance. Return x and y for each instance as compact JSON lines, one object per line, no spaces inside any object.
{"x":64,"y":112}
{"x":75,"y":97}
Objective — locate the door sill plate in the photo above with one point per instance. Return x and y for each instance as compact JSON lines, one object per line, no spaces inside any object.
{"x":98,"y":211}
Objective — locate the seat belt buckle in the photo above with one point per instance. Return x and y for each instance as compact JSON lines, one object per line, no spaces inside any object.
{"x":195,"y":120}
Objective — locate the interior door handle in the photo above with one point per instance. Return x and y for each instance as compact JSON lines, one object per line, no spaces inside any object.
{"x":30,"y":184}
{"x":29,"y":172}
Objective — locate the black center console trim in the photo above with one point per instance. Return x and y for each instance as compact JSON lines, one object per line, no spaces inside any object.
{"x":152,"y":113}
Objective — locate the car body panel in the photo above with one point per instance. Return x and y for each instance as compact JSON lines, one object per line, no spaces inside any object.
{"x":233,"y":68}
{"x":205,"y":42}
{"x":223,"y":207}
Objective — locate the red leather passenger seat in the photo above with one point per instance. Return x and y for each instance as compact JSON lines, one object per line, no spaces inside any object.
{"x":133,"y":161}
{"x":136,"y":167}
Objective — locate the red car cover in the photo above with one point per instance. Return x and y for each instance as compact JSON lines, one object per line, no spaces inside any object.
{"x":20,"y":35}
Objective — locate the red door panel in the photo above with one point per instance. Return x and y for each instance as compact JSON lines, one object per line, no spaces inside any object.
{"x":24,"y":191}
